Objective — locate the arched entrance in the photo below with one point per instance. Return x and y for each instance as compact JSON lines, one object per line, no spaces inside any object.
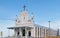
{"x":18,"y":33}
{"x":29,"y":33}
{"x":23,"y":31}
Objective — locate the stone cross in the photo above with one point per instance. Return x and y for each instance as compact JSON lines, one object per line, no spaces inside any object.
{"x":24,"y":7}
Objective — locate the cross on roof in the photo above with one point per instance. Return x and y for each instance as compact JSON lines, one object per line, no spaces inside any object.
{"x":24,"y":7}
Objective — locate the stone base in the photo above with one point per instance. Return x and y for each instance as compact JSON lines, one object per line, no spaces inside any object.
{"x":24,"y":37}
{"x":37,"y":37}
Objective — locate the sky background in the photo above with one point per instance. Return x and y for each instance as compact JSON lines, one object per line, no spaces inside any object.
{"x":43,"y":10}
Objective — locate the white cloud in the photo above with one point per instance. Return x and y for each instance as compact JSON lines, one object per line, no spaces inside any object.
{"x":3,"y":28}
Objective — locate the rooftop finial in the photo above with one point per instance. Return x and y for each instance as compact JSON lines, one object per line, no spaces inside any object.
{"x":24,"y":7}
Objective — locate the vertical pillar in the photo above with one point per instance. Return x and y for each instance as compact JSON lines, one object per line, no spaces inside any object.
{"x":39,"y":32}
{"x":26,"y":32}
{"x":45,"y":33}
{"x":20,"y":32}
{"x":1,"y":34}
{"x":32,"y":32}
{"x":15,"y":33}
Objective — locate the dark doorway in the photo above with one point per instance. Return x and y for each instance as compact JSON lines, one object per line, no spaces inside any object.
{"x":18,"y":32}
{"x":29,"y":33}
{"x":23,"y":32}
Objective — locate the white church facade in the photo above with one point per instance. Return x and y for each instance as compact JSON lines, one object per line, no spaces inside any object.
{"x":26,"y":28}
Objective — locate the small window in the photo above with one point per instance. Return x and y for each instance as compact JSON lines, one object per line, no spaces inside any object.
{"x":24,"y":17}
{"x":16,"y":20}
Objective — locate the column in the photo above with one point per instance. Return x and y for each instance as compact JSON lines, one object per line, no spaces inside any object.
{"x":39,"y":32}
{"x":26,"y":32}
{"x":32,"y":32}
{"x":45,"y":33}
{"x":20,"y":32}
{"x":15,"y":33}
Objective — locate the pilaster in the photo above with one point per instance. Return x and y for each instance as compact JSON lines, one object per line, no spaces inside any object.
{"x":26,"y":33}
{"x":20,"y":32}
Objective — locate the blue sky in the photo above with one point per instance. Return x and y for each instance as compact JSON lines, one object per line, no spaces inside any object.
{"x":43,"y":10}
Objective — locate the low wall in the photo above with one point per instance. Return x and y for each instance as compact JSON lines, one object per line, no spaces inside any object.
{"x":52,"y":36}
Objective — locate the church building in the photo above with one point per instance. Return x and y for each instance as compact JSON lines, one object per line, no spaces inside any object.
{"x":26,"y":28}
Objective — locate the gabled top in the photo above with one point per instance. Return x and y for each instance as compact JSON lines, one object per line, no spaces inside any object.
{"x":24,"y":16}
{"x":24,"y":20}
